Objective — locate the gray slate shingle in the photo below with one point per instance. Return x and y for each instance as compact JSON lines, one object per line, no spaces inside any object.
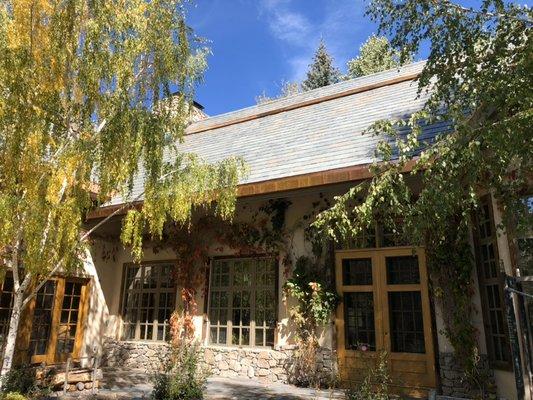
{"x":314,"y":138}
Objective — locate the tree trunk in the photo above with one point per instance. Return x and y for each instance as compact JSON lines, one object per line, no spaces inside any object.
{"x":9,"y":350}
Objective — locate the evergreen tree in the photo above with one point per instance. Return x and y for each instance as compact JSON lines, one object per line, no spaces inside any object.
{"x":321,"y":72}
{"x":375,"y":55}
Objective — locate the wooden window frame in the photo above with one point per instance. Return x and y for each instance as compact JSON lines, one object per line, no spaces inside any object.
{"x":10,"y":308}
{"x":484,"y":283}
{"x":157,"y":291}
{"x":26,"y":322}
{"x":253,"y":289}
{"x":376,"y":235}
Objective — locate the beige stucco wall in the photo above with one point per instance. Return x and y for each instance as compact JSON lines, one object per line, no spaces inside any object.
{"x":107,"y":259}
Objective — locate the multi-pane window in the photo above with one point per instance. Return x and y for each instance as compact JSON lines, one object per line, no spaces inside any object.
{"x":242,"y":302}
{"x":376,"y":235}
{"x":70,"y":313}
{"x":148,"y":301}
{"x":524,"y":263}
{"x":490,"y":285}
{"x":6,"y":305}
{"x":42,"y":318}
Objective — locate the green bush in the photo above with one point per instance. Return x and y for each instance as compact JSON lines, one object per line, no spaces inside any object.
{"x":375,"y":384}
{"x":20,"y":380}
{"x":13,"y":396}
{"x":182,"y":378}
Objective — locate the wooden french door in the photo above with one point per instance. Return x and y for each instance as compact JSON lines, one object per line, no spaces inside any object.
{"x":58,"y":320}
{"x":385,"y":307}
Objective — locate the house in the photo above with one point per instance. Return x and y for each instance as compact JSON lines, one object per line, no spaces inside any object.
{"x":302,"y":151}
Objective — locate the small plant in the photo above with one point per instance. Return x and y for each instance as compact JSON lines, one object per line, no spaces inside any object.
{"x":13,"y":396}
{"x":375,"y":384}
{"x":21,"y":381}
{"x":182,"y":377}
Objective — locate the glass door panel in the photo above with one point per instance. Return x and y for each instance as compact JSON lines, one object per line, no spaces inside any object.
{"x":70,"y":313}
{"x":359,"y":326}
{"x":406,"y":322}
{"x":58,"y":318}
{"x":42,"y":320}
{"x":385,"y":307}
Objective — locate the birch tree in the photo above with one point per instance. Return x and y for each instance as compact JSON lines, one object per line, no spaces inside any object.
{"x":83,"y":108}
{"x":479,"y":73}
{"x":375,"y":55}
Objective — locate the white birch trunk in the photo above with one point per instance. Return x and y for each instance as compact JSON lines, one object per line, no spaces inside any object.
{"x":9,"y":350}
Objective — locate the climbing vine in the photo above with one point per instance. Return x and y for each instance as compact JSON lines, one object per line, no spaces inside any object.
{"x":316,"y":300}
{"x":195,"y":243}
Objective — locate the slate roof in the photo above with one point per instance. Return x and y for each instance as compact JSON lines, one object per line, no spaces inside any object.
{"x":280,"y":139}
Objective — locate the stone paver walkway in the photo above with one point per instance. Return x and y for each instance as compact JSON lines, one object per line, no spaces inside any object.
{"x":137,"y":385}
{"x":247,"y":389}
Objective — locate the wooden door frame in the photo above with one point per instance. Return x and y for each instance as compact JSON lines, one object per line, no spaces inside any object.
{"x":25,"y":335}
{"x":380,"y":289}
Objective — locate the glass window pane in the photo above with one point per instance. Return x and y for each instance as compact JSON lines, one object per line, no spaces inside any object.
{"x":357,"y":271}
{"x":402,"y":270}
{"x":360,"y":331}
{"x":405,"y":312}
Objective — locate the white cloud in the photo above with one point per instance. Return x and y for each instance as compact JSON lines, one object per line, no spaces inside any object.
{"x":340,"y":25}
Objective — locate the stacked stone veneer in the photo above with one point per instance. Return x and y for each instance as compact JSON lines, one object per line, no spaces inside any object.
{"x":455,"y":384}
{"x":272,"y":365}
{"x":134,"y":355}
{"x":268,"y":365}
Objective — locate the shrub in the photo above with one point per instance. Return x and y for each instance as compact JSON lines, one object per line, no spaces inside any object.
{"x":375,"y":384}
{"x":20,"y":380}
{"x":13,"y":396}
{"x":182,"y":377}
{"x":316,"y":301}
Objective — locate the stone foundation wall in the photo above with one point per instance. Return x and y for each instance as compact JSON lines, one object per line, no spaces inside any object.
{"x":454,"y":383}
{"x":136,"y":355}
{"x":267,"y":365}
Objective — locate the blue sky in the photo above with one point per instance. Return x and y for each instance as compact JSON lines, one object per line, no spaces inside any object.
{"x":256,"y":44}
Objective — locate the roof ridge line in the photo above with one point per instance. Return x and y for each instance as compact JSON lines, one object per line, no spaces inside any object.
{"x":306,"y":103}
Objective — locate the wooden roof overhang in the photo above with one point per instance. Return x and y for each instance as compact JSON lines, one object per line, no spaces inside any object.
{"x":281,"y":185}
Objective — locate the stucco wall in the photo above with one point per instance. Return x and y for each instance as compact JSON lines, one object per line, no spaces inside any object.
{"x":108,"y":260}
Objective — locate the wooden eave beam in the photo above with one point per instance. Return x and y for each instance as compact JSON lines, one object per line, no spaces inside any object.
{"x":315,"y":179}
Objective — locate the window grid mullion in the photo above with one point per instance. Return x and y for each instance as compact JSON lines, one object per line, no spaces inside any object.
{"x":155,"y":310}
{"x":139,"y":305}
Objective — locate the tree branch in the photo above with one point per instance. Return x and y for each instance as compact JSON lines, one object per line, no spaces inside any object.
{"x":469,"y":10}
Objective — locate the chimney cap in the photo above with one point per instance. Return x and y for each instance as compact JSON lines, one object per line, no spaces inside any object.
{"x":194,"y":102}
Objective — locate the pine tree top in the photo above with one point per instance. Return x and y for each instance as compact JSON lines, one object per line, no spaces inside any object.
{"x":321,"y":71}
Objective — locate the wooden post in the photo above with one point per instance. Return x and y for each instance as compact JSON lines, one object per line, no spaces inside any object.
{"x":96,"y":363}
{"x":65,"y":384}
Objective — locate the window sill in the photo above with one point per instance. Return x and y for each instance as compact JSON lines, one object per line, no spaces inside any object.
{"x":254,"y":349}
{"x":133,"y":341}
